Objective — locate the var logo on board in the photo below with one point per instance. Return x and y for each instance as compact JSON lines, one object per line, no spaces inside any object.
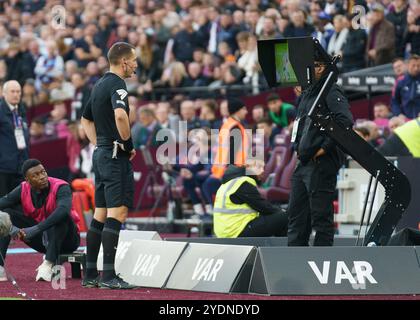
{"x":207,"y":269}
{"x":362,"y":273}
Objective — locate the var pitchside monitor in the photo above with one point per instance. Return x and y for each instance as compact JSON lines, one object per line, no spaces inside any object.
{"x":287,"y":62}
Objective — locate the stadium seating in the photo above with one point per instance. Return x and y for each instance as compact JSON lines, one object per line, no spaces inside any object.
{"x":280,"y":189}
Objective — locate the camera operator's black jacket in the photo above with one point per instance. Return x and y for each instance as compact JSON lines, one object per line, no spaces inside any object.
{"x":310,"y":139}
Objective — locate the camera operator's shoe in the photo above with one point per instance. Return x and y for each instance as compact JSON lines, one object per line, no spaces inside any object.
{"x":3,"y":276}
{"x":116,"y":283}
{"x":91,"y":283}
{"x":45,"y":271}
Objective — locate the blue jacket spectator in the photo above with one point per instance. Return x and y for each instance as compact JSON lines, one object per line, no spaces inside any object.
{"x":406,"y":97}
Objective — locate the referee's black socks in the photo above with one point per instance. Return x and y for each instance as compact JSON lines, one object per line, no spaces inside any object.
{"x":93,"y":243}
{"x":110,"y":236}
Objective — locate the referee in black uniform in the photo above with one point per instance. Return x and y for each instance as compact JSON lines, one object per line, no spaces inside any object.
{"x":106,"y":122}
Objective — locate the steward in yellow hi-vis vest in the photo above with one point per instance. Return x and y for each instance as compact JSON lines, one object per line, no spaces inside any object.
{"x":404,"y":142}
{"x":240,"y":211}
{"x":409,"y":133}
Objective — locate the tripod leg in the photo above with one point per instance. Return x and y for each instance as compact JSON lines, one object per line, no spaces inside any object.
{"x":371,"y":203}
{"x":143,"y":191}
{"x":364,"y":209}
{"x":156,"y":204}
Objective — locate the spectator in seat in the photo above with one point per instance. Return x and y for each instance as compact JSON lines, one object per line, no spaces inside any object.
{"x":397,"y":15}
{"x":406,"y":98}
{"x":148,"y":131}
{"x":395,"y":122}
{"x":29,"y":94}
{"x":323,"y":27}
{"x":196,"y":79}
{"x":242,"y":40}
{"x":339,"y":37}
{"x":281,"y":113}
{"x":266,"y":125}
{"x":197,"y":170}
{"x":48,"y":67}
{"x":148,"y":65}
{"x":37,"y":130}
{"x":232,"y":81}
{"x":85,"y":47}
{"x":400,"y":68}
{"x":269,"y":30}
{"x":225,"y":52}
{"x":380,"y":47}
{"x":93,"y":73}
{"x":375,"y":134}
{"x":56,"y":124}
{"x":185,"y":41}
{"x":258,"y":113}
{"x":248,"y":62}
{"x":298,"y":27}
{"x":227,"y":30}
{"x":381,"y":114}
{"x":162,"y":114}
{"x":353,"y":50}
{"x":60,"y":89}
{"x":17,"y":64}
{"x":81,"y":96}
{"x":413,"y":30}
{"x":173,"y":76}
{"x":188,"y":114}
{"x":208,"y":115}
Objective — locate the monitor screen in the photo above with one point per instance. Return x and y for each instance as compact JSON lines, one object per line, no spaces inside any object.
{"x":285,"y":74}
{"x":287,"y":62}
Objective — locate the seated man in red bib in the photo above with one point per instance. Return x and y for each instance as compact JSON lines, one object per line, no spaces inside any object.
{"x":40,"y":209}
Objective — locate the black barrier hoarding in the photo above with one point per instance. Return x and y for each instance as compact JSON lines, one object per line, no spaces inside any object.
{"x":385,"y":80}
{"x":336,"y":271}
{"x":339,"y":241}
{"x":282,"y":69}
{"x":213,"y":268}
{"x":149,"y":263}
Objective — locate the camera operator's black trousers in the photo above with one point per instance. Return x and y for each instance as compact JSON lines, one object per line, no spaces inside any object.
{"x":311,"y":203}
{"x":61,"y":238}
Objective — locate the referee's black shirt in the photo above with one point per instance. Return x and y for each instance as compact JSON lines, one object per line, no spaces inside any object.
{"x":108,"y":94}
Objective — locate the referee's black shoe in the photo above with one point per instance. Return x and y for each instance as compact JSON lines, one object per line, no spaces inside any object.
{"x":116,"y":283}
{"x":91,"y":283}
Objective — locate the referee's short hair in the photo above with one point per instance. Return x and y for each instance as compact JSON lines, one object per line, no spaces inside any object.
{"x":118,"y":51}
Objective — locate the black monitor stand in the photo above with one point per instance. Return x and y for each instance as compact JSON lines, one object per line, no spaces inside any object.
{"x":396,"y":184}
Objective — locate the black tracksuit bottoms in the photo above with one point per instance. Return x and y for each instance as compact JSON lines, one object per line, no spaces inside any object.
{"x":311,"y":203}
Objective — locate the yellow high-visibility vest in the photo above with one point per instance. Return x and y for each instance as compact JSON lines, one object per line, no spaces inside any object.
{"x":230,"y":219}
{"x":409,"y":133}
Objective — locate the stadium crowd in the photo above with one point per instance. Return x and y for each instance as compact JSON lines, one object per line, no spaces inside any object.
{"x":193,"y":55}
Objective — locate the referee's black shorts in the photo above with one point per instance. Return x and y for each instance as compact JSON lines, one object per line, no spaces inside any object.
{"x":114,"y":181}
